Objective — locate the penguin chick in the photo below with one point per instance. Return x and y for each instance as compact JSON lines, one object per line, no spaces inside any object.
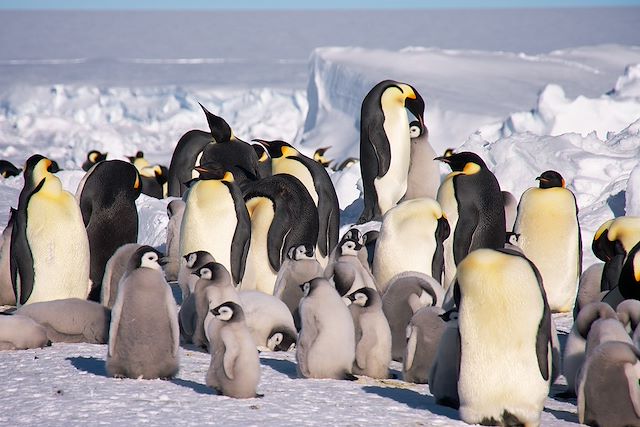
{"x":7,"y":294}
{"x":373,"y":336}
{"x":117,"y":267}
{"x":235,"y":366}
{"x":191,"y":262}
{"x":588,"y":287}
{"x":175,"y":210}
{"x":269,"y":320}
{"x":445,"y":369}
{"x":347,"y":271}
{"x":21,"y":333}
{"x":423,"y":179}
{"x":423,"y":338}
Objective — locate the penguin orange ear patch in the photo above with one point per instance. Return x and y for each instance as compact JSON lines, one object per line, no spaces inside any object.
{"x":228,"y":177}
{"x":471,"y":168}
{"x":288,"y":151}
{"x":636,"y":267}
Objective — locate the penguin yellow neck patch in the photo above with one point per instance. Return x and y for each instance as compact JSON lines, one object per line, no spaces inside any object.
{"x":289,"y":151}
{"x":228,"y":177}
{"x":471,"y":168}
{"x":636,"y":267}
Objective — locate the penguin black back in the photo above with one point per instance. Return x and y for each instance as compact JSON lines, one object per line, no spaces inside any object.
{"x":8,"y":169}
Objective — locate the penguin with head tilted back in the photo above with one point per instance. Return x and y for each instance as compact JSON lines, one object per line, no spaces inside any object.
{"x":471,"y":198}
{"x":549,"y":235}
{"x":48,"y":239}
{"x":107,"y":196}
{"x":385,"y":145}
{"x":93,"y":157}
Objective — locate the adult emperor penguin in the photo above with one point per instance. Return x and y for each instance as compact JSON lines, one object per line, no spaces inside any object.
{"x":411,"y":239}
{"x":549,"y":235}
{"x":385,"y":145}
{"x":629,"y":280}
{"x":424,"y":172}
{"x":611,"y":243}
{"x":175,"y":210}
{"x":7,"y":295}
{"x":326,"y":344}
{"x":107,"y":196}
{"x":264,"y":159}
{"x":423,"y":338}
{"x":48,"y":239}
{"x":216,"y":220}
{"x":287,"y":160}
{"x":117,"y":267}
{"x":143,"y":334}
{"x":283,"y":216}
{"x":93,"y":157}
{"x":487,"y":396}
{"x":471,"y":198}
{"x":373,"y":336}
{"x":319,"y":156}
{"x":235,"y":366}
{"x":8,"y":169}
{"x":153,"y":179}
{"x":269,"y":320}
{"x":21,"y":333}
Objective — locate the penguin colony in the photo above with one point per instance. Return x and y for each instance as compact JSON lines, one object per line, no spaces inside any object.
{"x":253,"y":244}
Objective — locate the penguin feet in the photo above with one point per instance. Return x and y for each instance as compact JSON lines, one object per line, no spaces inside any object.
{"x":350,"y":377}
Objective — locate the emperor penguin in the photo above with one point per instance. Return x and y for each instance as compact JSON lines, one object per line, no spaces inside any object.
{"x":21,"y":333}
{"x":216,"y":220}
{"x":107,"y":197}
{"x":287,"y":160}
{"x":510,"y":209}
{"x":471,"y":198}
{"x":175,"y":210}
{"x":445,"y":369}
{"x":117,"y":267}
{"x":300,"y":266}
{"x":628,"y":312}
{"x":153,"y":179}
{"x":235,"y":366}
{"x":326,"y":345}
{"x":8,"y":169}
{"x":191,"y":263}
{"x":588,"y":287}
{"x":574,"y":349}
{"x":71,"y":320}
{"x":385,"y":144}
{"x":373,"y":335}
{"x":629,"y":280}
{"x":611,"y":243}
{"x":609,"y":394}
{"x":319,"y":157}
{"x":411,"y":239}
{"x":93,"y":157}
{"x":423,"y":179}
{"x":549,"y":235}
{"x":143,"y":334}
{"x":407,"y":293}
{"x":48,"y":239}
{"x":348,"y":271}
{"x":264,"y":160}
{"x":139,"y":161}
{"x":269,"y":320}
{"x":7,"y":295}
{"x":423,"y":338}
{"x":487,"y":396}
{"x":283,"y":216}
{"x":355,"y":236}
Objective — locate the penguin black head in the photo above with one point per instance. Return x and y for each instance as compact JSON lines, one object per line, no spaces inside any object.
{"x":350,"y":247}
{"x":228,"y":312}
{"x":466,"y":162}
{"x":161,"y":173}
{"x":211,"y":271}
{"x":8,"y":169}
{"x":220,"y":129}
{"x":312,"y":285}
{"x":281,"y":339}
{"x":319,"y":157}
{"x":211,"y":170}
{"x":415,"y":104}
{"x":261,"y":152}
{"x":299,"y":252}
{"x":364,"y":297}
{"x":550,"y":179}
{"x":417,"y":129}
{"x":448,"y":152}
{"x":278,"y":148}
{"x":147,"y":257}
{"x":353,"y":234}
{"x":94,"y":156}
{"x":139,"y":155}
{"x":196,"y":259}
{"x":36,"y":168}
{"x":54,"y":168}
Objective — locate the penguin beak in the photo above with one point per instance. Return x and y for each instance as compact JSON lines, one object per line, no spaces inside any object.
{"x":444,"y":159}
{"x":215,"y":311}
{"x":351,"y":297}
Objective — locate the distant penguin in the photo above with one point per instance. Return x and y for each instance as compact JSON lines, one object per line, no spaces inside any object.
{"x":7,"y":295}
{"x":93,"y":157}
{"x":153,"y":179}
{"x":423,"y":179}
{"x":175,"y":210}
{"x":192,"y":262}
{"x":269,"y":320}
{"x":385,"y":145}
{"x":264,"y":159}
{"x":326,"y":344}
{"x":609,"y":394}
{"x":300,"y":266}
{"x":510,"y":209}
{"x":117,"y":267}
{"x":8,"y":169}
{"x":347,"y":163}
{"x":407,"y":293}
{"x":21,"y":333}
{"x":489,"y":284}
{"x":471,"y":198}
{"x":139,"y":161}
{"x":287,"y":160}
{"x":71,"y":320}
{"x":143,"y":335}
{"x":588,"y":287}
{"x":373,"y":336}
{"x":423,"y":338}
{"x":48,"y":239}
{"x":347,"y":270}
{"x":411,"y":239}
{"x":445,"y":369}
{"x":319,"y":157}
{"x":235,"y":366}
{"x":107,"y":197}
{"x":283,"y":215}
{"x":611,"y":243}
{"x":549,"y":235}
{"x":216,"y":220}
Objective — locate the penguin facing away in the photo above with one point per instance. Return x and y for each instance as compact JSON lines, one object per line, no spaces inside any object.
{"x":588,"y":287}
{"x":385,"y":145}
{"x":93,"y":157}
{"x":269,"y":320}
{"x":117,"y":267}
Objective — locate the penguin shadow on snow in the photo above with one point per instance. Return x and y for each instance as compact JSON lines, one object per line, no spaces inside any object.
{"x":197,"y":387}
{"x":570,"y":417}
{"x":285,"y":367}
{"x":91,"y":365}
{"x":413,"y":399}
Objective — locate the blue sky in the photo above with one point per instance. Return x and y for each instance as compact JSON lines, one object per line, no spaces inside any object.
{"x":301,"y":4}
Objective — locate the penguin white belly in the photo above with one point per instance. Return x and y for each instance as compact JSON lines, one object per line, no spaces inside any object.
{"x":393,"y":185}
{"x":548,"y":231}
{"x":333,"y":351}
{"x":449,"y":204}
{"x":258,"y":273}
{"x":60,"y":247}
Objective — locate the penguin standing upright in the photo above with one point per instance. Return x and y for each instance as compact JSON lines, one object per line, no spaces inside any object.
{"x":107,"y":197}
{"x":471,"y":198}
{"x":423,"y":179}
{"x":93,"y":157}
{"x":549,"y":235}
{"x":385,"y":145}
{"x":175,"y":210}
{"x":48,"y":239}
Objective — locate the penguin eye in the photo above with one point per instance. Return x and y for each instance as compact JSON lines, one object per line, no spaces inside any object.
{"x":350,"y":245}
{"x":414,"y":131}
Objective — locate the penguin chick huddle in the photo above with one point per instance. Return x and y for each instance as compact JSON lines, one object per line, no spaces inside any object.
{"x":452,"y":277}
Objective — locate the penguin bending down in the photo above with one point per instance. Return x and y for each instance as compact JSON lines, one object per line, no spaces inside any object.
{"x":235,"y":366}
{"x":423,"y":179}
{"x":326,"y":344}
{"x":21,"y":333}
{"x":471,"y":198}
{"x":107,"y":197}
{"x":93,"y":157}
{"x":175,"y":210}
{"x":143,"y":335}
{"x":549,"y":235}
{"x":7,"y":295}
{"x":611,"y":243}
{"x":269,"y":320}
{"x":385,"y":145}
{"x":48,"y":239}
{"x":118,"y":266}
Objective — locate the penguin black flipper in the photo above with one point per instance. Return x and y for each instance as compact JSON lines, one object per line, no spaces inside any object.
{"x":184,"y":158}
{"x":443,"y":230}
{"x":467,"y":223}
{"x":375,"y":160}
{"x":241,"y":237}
